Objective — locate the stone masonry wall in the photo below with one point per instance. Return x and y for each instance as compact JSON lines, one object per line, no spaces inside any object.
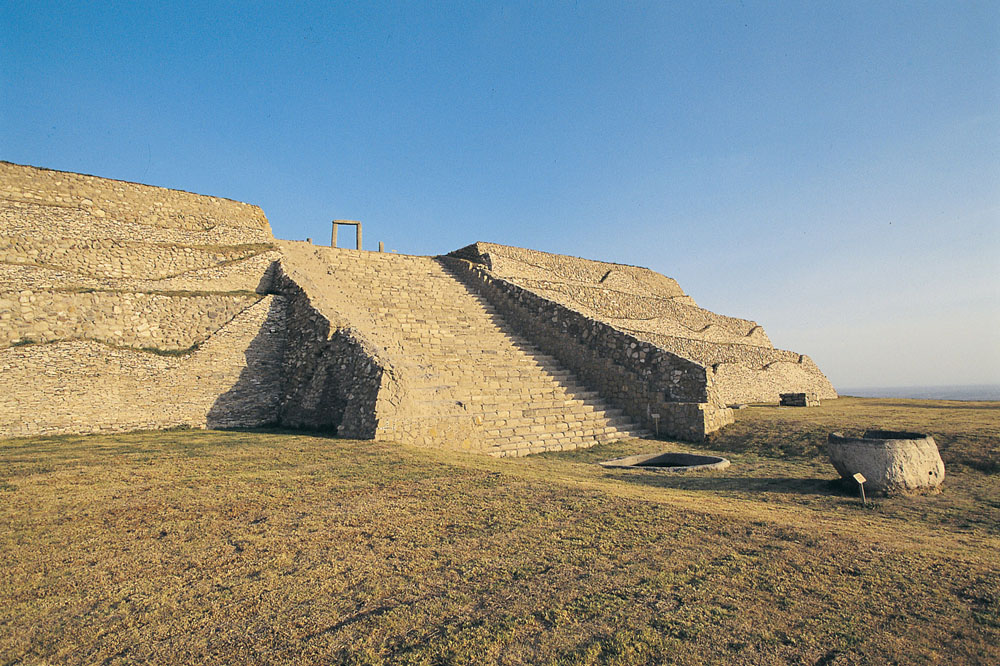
{"x":121,"y":201}
{"x":125,"y":306}
{"x":163,"y":321}
{"x":630,"y":373}
{"x":517,"y":263}
{"x":110,"y":258}
{"x":739,"y":357}
{"x":77,"y":386}
{"x":18,"y":218}
{"x":639,"y":298}
{"x":652,"y":314}
{"x":453,"y":374}
{"x":251,"y":274}
{"x":745,"y":373}
{"x":333,"y":379}
{"x":357,"y":290}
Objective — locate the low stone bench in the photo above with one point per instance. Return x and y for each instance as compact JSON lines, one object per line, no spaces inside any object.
{"x":891,"y":462}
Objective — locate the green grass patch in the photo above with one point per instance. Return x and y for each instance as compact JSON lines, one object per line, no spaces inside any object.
{"x":187,"y":351}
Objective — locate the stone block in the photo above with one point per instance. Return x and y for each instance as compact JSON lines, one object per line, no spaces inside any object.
{"x":808,"y":399}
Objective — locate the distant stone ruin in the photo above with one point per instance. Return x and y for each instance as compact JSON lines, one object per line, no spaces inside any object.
{"x":126,"y":306}
{"x":807,"y":399}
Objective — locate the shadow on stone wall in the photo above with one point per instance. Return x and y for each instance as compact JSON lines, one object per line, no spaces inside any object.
{"x":255,"y":398}
{"x":330,"y":377}
{"x":266,"y":283}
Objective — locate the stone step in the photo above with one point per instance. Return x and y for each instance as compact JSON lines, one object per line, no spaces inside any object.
{"x":499,"y":389}
{"x":477,"y":377}
{"x":522,"y":446}
{"x":587,"y":435}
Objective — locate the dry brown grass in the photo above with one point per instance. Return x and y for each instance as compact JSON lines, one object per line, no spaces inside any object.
{"x":211,"y":547}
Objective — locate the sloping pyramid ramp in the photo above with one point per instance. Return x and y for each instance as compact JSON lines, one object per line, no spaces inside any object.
{"x":454,"y":373}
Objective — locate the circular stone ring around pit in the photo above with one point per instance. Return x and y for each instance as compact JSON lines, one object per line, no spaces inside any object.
{"x":668,"y":462}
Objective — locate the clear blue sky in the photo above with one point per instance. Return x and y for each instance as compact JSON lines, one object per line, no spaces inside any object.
{"x":829,"y":169}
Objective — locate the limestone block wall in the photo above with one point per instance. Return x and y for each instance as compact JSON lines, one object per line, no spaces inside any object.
{"x":121,"y":201}
{"x":109,"y":258}
{"x":162,"y":321}
{"x":333,"y":378}
{"x":709,"y":354}
{"x":637,"y":298}
{"x":18,"y":218}
{"x":670,"y":316}
{"x":452,"y":373}
{"x":628,"y":372}
{"x":391,"y":306}
{"x":74,"y":386}
{"x":747,"y":373}
{"x":251,"y":274}
{"x":125,"y":306}
{"x":739,"y":357}
{"x":517,"y":263}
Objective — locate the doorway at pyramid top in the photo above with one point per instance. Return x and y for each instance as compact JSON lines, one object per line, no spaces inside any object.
{"x":350,"y":223}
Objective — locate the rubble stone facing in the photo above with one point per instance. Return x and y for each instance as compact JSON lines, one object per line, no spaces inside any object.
{"x":125,"y":306}
{"x":628,"y":372}
{"x":519,"y":263}
{"x":739,"y":383}
{"x":251,"y":274}
{"x":742,"y":364}
{"x":93,"y":271}
{"x":39,"y":220}
{"x":166,"y":322}
{"x":333,"y":377}
{"x":103,"y":258}
{"x":654,"y":314}
{"x":799,"y":400}
{"x":121,"y":201}
{"x":81,"y":386}
{"x":453,"y":373}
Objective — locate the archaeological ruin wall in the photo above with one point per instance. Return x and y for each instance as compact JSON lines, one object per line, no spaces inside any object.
{"x":333,"y":376}
{"x":126,"y":306}
{"x":632,"y":374}
{"x":740,"y":363}
{"x":452,"y":373}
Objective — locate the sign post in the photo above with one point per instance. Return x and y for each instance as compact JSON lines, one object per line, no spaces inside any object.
{"x":860,"y":478}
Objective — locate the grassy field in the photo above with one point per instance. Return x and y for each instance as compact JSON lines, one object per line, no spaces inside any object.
{"x":283,"y":548}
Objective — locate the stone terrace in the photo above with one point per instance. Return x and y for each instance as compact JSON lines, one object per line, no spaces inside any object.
{"x":744,"y":366}
{"x":125,"y":306}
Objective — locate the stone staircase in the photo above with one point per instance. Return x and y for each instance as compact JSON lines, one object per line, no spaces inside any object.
{"x":469,"y":379}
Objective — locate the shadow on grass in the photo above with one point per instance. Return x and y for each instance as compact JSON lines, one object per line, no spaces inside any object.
{"x":741,"y":484}
{"x":148,"y":443}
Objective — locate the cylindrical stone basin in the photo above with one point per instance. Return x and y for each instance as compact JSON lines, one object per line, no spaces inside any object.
{"x":669,"y":462}
{"x":891,"y":462}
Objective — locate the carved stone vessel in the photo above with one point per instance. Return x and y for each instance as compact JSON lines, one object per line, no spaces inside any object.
{"x":891,"y":462}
